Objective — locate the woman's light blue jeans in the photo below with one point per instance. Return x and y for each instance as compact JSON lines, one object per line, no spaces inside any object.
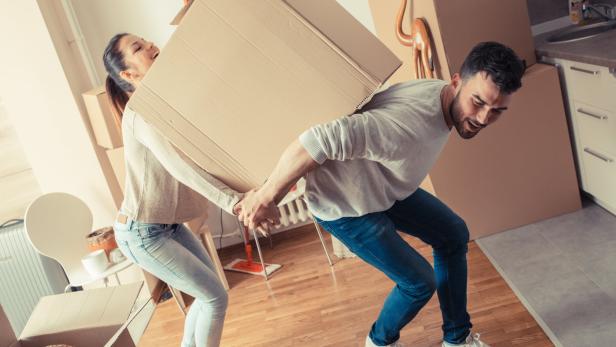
{"x":175,"y":255}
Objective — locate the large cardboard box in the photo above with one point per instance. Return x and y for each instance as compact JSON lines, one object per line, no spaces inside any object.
{"x":456,"y":26}
{"x":519,"y":170}
{"x":104,"y":124}
{"x":86,"y":318}
{"x":240,"y":80}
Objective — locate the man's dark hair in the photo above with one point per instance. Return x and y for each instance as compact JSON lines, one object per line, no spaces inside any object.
{"x":499,"y":62}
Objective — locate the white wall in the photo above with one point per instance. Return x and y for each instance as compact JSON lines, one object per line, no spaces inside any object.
{"x":101,"y":20}
{"x":18,"y":185}
{"x":42,"y":108}
{"x":360,"y":9}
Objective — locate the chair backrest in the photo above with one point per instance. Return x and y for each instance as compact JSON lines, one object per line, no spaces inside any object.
{"x":57,"y":225}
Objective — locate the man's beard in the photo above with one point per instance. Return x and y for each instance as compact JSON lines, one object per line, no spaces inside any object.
{"x":456,"y":118}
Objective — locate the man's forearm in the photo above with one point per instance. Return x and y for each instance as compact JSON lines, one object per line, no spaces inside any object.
{"x":294,"y":163}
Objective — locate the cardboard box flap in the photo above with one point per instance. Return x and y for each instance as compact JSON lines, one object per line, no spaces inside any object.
{"x":349,"y":35}
{"x":94,"y":337}
{"x":94,"y":312}
{"x":268,"y":41}
{"x":178,"y":17}
{"x":7,"y":336}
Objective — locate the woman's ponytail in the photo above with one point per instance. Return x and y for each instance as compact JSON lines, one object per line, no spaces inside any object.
{"x":118,"y":89}
{"x":117,"y":98}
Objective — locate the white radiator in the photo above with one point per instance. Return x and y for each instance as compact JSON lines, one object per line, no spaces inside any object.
{"x":25,"y":275}
{"x":293,"y":214}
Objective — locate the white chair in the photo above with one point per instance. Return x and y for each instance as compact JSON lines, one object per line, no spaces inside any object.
{"x":57,"y":225}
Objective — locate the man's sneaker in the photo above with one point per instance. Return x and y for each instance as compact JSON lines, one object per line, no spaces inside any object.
{"x":369,"y":343}
{"x":472,"y":340}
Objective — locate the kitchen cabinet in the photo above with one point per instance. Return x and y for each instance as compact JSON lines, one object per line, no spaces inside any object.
{"x":590,"y":91}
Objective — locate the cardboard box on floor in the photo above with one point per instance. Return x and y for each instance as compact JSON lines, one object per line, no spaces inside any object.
{"x":240,"y":80}
{"x":85,"y":318}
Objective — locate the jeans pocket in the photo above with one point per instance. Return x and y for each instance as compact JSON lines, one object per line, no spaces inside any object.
{"x":124,"y":247}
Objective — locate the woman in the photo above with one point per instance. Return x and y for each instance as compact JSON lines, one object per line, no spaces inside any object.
{"x":164,"y":189}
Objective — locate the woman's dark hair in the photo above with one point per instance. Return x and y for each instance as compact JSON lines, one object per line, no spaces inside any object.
{"x":117,"y":88}
{"x":497,"y":61}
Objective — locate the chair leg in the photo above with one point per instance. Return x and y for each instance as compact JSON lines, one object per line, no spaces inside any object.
{"x":178,"y":300}
{"x":208,"y":241}
{"x":316,"y":225}
{"x":199,"y":228}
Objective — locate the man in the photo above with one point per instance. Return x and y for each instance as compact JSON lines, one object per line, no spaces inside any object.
{"x":363,"y":174}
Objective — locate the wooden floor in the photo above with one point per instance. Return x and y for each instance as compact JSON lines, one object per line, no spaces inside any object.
{"x":307,"y":303}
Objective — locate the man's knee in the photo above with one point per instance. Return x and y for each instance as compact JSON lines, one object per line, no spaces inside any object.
{"x":419,"y":286}
{"x":461,"y":234}
{"x":458,"y":236}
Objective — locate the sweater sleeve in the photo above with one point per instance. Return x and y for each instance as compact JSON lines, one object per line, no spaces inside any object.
{"x":368,"y":135}
{"x":183,"y":168}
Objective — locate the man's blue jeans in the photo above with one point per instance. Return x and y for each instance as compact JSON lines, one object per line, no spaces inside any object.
{"x":374,"y":239}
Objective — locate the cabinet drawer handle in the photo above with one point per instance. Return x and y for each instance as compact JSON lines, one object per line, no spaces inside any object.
{"x":590,"y":72}
{"x":600,"y":156}
{"x":594,"y":115}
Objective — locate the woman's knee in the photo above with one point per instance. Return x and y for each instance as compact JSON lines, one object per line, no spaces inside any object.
{"x":216,"y":296}
{"x":220,"y":302}
{"x":214,"y":307}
